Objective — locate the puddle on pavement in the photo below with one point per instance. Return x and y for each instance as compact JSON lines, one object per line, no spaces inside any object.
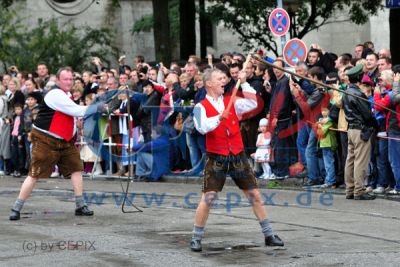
{"x":226,"y":248}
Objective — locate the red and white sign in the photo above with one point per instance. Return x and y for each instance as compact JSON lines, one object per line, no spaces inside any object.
{"x":279,"y":21}
{"x":294,"y":51}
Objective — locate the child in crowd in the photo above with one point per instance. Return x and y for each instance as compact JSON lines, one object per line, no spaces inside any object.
{"x":184,"y":80}
{"x":77,"y":93}
{"x":87,"y":155}
{"x":328,"y":144}
{"x":17,"y":141}
{"x":32,"y":102}
{"x":263,"y":152}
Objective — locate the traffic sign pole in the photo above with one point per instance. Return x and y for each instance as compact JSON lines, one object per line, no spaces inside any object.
{"x":283,"y":37}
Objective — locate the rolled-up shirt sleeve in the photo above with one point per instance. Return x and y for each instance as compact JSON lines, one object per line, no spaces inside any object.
{"x":203,"y":124}
{"x":243,"y":105}
{"x":59,"y":101}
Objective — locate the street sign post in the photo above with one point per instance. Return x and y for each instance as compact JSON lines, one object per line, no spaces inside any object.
{"x":294,"y":51}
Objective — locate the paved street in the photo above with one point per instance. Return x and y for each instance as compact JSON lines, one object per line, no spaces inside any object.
{"x":319,"y":229}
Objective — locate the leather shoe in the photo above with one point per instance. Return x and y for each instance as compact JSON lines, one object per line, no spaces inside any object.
{"x":365,"y":196}
{"x":14,"y":215}
{"x":312,"y":182}
{"x":195,"y":245}
{"x":273,"y":240}
{"x":349,"y":196}
{"x":83,"y":211}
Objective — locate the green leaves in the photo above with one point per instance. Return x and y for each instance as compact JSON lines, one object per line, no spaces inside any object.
{"x":249,"y":18}
{"x":51,"y":43}
{"x":144,"y":24}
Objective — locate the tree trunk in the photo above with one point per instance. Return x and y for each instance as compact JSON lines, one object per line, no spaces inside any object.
{"x":394,"y":22}
{"x":203,"y":31}
{"x":187,"y":31}
{"x":161,"y":31}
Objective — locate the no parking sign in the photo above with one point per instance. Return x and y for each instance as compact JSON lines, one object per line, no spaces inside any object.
{"x":279,"y":21}
{"x":294,"y":51}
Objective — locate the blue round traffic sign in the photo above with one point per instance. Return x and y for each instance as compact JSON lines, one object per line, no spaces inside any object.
{"x":294,"y":51}
{"x":279,"y":21}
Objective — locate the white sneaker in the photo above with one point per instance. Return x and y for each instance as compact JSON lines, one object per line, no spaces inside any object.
{"x":368,"y":189}
{"x":272,"y":177}
{"x":393,"y":192}
{"x":54,"y":174}
{"x":98,"y":170}
{"x":2,"y":173}
{"x":262,"y":176}
{"x":387,"y":189}
{"x":379,"y":190}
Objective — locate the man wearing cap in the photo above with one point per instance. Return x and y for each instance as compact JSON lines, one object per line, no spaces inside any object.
{"x":219,"y":121}
{"x":359,"y":118}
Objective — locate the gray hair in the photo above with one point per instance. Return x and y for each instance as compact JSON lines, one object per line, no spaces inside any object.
{"x":208,"y":74}
{"x":113,"y":80}
{"x":302,"y":65}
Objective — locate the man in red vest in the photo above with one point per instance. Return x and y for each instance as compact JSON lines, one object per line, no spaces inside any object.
{"x":225,"y":152}
{"x":53,"y":144}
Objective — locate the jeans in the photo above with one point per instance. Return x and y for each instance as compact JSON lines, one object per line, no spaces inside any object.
{"x":314,"y":163}
{"x":329,"y":162}
{"x":144,"y":164}
{"x":302,"y":141}
{"x":281,"y":147}
{"x":385,"y":174}
{"x":394,"y":156}
{"x":196,"y":144}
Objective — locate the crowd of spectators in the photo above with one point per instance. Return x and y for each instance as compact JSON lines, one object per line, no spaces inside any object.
{"x":306,"y":128}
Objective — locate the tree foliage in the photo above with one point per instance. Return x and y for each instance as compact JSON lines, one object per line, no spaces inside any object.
{"x":146,"y":22}
{"x":51,"y":43}
{"x":249,"y":18}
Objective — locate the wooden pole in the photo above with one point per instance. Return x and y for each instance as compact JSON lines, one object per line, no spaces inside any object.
{"x":236,"y":88}
{"x":260,"y":59}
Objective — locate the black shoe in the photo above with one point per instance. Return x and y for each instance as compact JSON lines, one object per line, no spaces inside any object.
{"x":83,"y":211}
{"x":273,"y":241}
{"x":365,"y":196}
{"x":14,"y":215}
{"x":195,"y":245}
{"x":312,"y":182}
{"x":140,"y":179}
{"x":349,"y":196}
{"x":302,"y":174}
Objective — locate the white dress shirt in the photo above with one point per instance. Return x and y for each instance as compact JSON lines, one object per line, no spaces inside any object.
{"x":242,"y":105}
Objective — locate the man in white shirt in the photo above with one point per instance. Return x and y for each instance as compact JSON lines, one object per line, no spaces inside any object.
{"x":53,"y":143}
{"x":218,"y":120}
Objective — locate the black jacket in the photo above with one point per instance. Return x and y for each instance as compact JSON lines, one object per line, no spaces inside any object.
{"x":144,"y":110}
{"x":357,"y":111}
{"x":281,"y":104}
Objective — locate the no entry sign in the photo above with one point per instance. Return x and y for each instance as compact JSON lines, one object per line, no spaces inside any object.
{"x":294,"y":51}
{"x":279,"y":21}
